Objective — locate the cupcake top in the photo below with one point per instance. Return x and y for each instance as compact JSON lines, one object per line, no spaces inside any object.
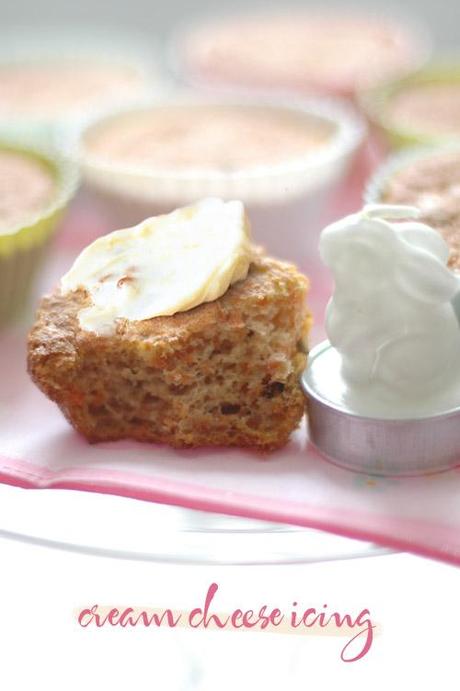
{"x":298,"y":49}
{"x":430,"y":108}
{"x":54,"y":88}
{"x":27,"y":187}
{"x":431,"y":183}
{"x":225,"y":138}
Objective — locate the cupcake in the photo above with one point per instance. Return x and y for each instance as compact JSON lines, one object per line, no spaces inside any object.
{"x":177,"y":331}
{"x":302,"y":51}
{"x":428,"y":179}
{"x":35,"y":188}
{"x":423,"y":109}
{"x":49,"y":81}
{"x":281,"y":161}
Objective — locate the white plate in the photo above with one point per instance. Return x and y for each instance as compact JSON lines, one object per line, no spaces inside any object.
{"x":130,"y":529}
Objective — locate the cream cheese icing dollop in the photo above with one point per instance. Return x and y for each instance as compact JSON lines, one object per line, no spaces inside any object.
{"x":166,"y":264}
{"x":391,"y":321}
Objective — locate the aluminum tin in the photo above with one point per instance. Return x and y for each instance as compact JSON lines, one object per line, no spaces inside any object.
{"x":379,"y":446}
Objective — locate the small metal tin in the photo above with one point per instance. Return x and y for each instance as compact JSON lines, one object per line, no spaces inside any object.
{"x":379,"y":446}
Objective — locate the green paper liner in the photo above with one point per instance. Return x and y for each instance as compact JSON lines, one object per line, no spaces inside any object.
{"x":374,"y":103}
{"x":23,"y":247}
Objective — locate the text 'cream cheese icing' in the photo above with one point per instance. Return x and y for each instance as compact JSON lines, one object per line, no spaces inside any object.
{"x":164,"y":265}
{"x":391,"y":321}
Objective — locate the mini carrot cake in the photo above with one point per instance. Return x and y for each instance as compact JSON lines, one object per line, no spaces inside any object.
{"x":27,"y":187}
{"x":430,"y":108}
{"x":53,"y":87}
{"x":36,"y":186}
{"x":304,"y":50}
{"x":176,"y":331}
{"x":431,"y":182}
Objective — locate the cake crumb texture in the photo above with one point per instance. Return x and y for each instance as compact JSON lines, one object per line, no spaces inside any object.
{"x":222,"y":374}
{"x":433,"y":185}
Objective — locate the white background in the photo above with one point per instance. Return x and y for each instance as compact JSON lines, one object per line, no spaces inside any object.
{"x":154,"y":17}
{"x":415,"y":601}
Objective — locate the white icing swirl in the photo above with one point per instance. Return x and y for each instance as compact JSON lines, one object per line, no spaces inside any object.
{"x":164,"y":265}
{"x":391,"y":318}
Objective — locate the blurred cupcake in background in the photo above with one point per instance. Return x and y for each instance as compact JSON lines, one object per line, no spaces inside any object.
{"x":328,"y":51}
{"x":35,"y":189}
{"x":282,"y":161}
{"x":428,"y":179}
{"x":49,"y":79}
{"x":333,"y":51}
{"x":421,"y":109}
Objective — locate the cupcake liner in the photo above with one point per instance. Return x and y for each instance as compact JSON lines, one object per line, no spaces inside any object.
{"x":17,"y":274}
{"x":50,"y":45}
{"x":22,"y":247}
{"x":283,"y":201}
{"x":257,"y":185}
{"x":185,"y":72}
{"x":374,"y":103}
{"x":397,"y":162}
